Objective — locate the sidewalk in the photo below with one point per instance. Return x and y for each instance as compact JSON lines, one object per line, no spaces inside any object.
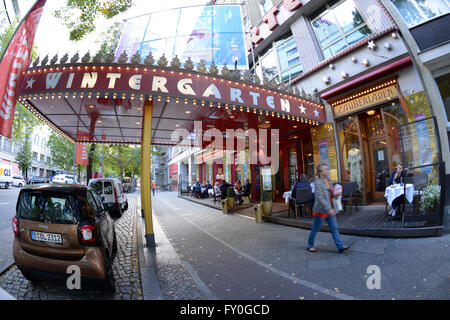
{"x":202,"y":253}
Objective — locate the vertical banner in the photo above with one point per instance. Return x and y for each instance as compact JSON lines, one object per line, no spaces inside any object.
{"x":13,"y":64}
{"x":323,"y":152}
{"x":81,"y":155}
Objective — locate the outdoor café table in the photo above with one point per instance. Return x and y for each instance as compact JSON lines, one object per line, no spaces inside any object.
{"x":394,"y":191}
{"x":287,"y":196}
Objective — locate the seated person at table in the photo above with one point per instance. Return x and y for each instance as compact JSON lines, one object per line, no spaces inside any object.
{"x":223,"y":189}
{"x":237,"y":190}
{"x":214,"y":190}
{"x":301,"y":183}
{"x":197,"y":189}
{"x":397,"y":176}
{"x":204,"y":190}
{"x":247,"y":188}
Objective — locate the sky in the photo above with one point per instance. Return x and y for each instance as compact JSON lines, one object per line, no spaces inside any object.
{"x":52,"y":37}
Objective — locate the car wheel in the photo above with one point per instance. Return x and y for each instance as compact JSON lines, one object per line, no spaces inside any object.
{"x":6,"y":185}
{"x":109,"y":284}
{"x":27,"y":276}
{"x":20,"y":185}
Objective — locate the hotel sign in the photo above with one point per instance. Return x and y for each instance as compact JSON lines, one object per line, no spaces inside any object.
{"x":365,"y":101}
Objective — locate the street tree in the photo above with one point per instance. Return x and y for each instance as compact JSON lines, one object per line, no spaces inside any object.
{"x":79,"y":16}
{"x":23,"y":157}
{"x":62,"y":151}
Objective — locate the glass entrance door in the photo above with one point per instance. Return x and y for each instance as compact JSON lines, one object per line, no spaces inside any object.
{"x":379,"y":167}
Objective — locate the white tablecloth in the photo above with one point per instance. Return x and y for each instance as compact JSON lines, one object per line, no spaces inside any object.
{"x":393,"y":192}
{"x":286,"y":196}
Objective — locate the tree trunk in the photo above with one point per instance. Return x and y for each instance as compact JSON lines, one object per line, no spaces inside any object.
{"x":89,"y":167}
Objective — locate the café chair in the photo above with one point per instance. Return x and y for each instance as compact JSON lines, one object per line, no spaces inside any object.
{"x":350,"y":191}
{"x":303,"y":198}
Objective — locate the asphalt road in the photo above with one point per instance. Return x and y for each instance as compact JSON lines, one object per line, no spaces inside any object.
{"x":8,"y":200}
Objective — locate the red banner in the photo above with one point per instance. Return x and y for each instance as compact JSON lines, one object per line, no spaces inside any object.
{"x":14,"y":62}
{"x":81,"y":155}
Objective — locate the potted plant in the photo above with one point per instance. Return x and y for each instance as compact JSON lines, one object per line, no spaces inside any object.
{"x":266,"y":203}
{"x":429,"y":199}
{"x":231,"y":197}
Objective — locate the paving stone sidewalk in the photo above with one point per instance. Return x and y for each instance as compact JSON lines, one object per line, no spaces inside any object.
{"x":125,"y":270}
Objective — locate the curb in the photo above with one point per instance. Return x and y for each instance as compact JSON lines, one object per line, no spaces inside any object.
{"x":151,"y":288}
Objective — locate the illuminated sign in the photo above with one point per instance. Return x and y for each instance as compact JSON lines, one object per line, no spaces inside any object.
{"x":166,"y":83}
{"x":365,"y":101}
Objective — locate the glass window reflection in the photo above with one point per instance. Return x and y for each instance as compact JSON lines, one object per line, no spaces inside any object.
{"x":338,"y":26}
{"x":415,"y":12}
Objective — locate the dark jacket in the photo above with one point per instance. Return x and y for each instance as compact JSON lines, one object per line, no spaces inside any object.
{"x":322,"y":202}
{"x":247,"y":189}
{"x":302,"y":184}
{"x":399,"y":179}
{"x":223,"y":190}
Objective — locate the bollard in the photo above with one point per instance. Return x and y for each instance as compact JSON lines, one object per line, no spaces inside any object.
{"x":225,"y":206}
{"x":258,"y":213}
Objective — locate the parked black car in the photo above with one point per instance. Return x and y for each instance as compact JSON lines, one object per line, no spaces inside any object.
{"x":36,"y":180}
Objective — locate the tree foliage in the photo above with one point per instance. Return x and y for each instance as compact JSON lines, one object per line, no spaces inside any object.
{"x":79,"y":15}
{"x":62,"y":151}
{"x":23,"y":157}
{"x":120,"y":160}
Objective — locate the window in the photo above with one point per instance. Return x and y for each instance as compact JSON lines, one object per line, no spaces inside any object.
{"x":338,"y":27}
{"x":50,"y":208}
{"x":107,"y":187}
{"x":281,"y":62}
{"x":415,"y":12}
{"x":443,"y":83}
{"x":265,"y":6}
{"x":35,"y":156}
{"x":97,"y":186}
{"x":7,"y":145}
{"x":289,"y":60}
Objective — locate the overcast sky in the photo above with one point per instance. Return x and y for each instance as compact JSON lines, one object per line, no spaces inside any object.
{"x":52,"y":37}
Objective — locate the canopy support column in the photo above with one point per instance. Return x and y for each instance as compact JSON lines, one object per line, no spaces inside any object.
{"x":146,"y":183}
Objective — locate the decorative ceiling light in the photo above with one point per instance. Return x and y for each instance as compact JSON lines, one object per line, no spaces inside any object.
{"x":394,"y":35}
{"x":371,"y":112}
{"x":187,"y":111}
{"x":326,"y":79}
{"x":365,"y":62}
{"x":354,"y":59}
{"x":371,"y":45}
{"x":332,"y":67}
{"x":344,"y":74}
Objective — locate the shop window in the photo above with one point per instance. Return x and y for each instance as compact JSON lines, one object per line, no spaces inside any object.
{"x":338,"y":26}
{"x":351,"y":151}
{"x":443,"y":83}
{"x":324,"y":148}
{"x":292,"y":168}
{"x":415,"y":12}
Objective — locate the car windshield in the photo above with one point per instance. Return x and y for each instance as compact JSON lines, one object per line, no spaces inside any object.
{"x":97,"y":186}
{"x":47,"y":207}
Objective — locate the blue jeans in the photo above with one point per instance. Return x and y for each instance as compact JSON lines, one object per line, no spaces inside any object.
{"x":332,"y":223}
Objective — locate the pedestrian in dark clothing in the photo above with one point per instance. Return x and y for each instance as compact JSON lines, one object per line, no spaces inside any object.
{"x":223,"y":189}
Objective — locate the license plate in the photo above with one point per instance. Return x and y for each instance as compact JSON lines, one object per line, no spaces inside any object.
{"x":46,"y":237}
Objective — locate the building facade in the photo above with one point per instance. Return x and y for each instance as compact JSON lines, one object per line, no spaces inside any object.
{"x":40,"y":154}
{"x":381,"y":110}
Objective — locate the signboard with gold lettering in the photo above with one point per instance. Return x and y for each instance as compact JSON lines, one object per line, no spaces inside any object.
{"x":365,"y":101}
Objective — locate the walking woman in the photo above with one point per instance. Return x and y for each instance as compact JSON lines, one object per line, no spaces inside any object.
{"x":323,"y":210}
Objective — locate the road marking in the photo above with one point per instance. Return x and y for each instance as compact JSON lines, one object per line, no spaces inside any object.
{"x":271,"y":268}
